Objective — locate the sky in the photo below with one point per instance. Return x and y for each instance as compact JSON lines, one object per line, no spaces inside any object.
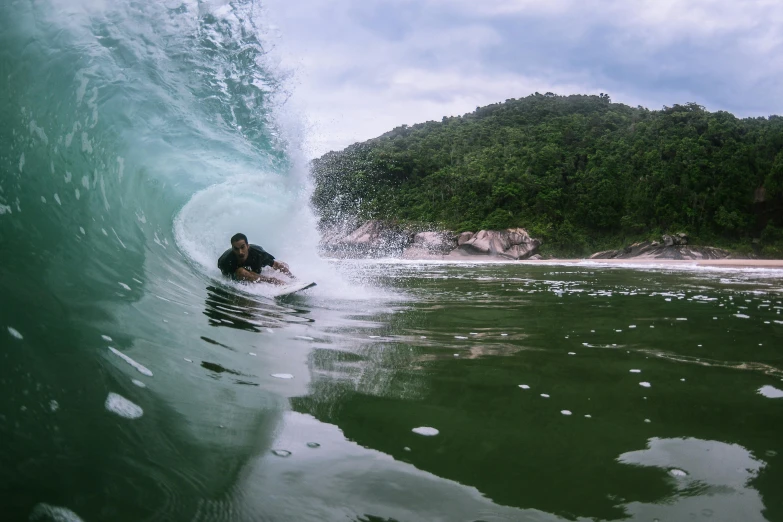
{"x":359,"y":68}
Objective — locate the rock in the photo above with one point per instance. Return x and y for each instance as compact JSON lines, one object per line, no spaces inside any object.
{"x":430,"y":244}
{"x":381,"y":239}
{"x":667,"y":240}
{"x":681,"y":238}
{"x":512,"y":243}
{"x":372,"y":239}
{"x":535,"y":257}
{"x":654,"y":250}
{"x":463,"y":238}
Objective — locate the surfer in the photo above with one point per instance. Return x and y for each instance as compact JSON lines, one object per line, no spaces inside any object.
{"x":244,"y":262}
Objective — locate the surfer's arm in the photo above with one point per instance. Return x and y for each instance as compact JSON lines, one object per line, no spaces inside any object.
{"x":282,"y":267}
{"x":243,"y":274}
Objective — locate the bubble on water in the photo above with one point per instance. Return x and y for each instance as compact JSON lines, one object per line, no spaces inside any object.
{"x":635,"y":371}
{"x":459,"y":337}
{"x":524,"y":386}
{"x":618,"y":331}
{"x":426,"y":431}
{"x":253,"y":354}
{"x":714,"y":318}
{"x":632,"y":326}
{"x":668,"y":299}
{"x":588,"y":416}
{"x":677,"y":473}
{"x":683,"y":380}
{"x":473,"y":333}
{"x":571,"y":353}
{"x":565,"y":412}
{"x":188,"y":360}
{"x":742,"y":316}
{"x":651,"y":326}
{"x":647,"y":421}
{"x":645,"y":384}
{"x":456,"y":355}
{"x":15,"y":333}
{"x":304,"y":338}
{"x":423,"y":337}
{"x":106,"y":338}
{"x":123,"y":407}
{"x":313,"y":445}
{"x":770,"y":392}
{"x":375,"y":337}
{"x":682,"y":318}
{"x":545,"y":395}
{"x":54,"y":405}
{"x":771,"y":453}
{"x":282,"y":376}
{"x":126,"y":287}
{"x":54,"y":513}
{"x":592,"y":331}
{"x":281,"y":453}
{"x":138,"y":383}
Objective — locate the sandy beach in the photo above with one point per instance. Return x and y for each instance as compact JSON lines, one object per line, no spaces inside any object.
{"x":724,"y":263}
{"x":636,"y":261}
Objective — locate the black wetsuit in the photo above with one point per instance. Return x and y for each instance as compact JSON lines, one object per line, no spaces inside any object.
{"x":257,"y":258}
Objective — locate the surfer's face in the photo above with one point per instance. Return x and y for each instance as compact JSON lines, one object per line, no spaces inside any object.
{"x":240,"y":250}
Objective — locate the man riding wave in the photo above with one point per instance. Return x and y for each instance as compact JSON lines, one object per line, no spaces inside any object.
{"x":243,"y":262}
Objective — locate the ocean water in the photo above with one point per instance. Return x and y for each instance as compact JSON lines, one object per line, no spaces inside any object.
{"x":136,"y":384}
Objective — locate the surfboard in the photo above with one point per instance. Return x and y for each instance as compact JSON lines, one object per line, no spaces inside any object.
{"x":292,"y":289}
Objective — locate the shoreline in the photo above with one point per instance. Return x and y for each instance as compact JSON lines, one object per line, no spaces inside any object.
{"x":774,"y":264}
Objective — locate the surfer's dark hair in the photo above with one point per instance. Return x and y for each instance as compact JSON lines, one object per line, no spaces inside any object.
{"x":237,"y":237}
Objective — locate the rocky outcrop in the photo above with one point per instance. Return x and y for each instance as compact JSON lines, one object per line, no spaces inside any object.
{"x":670,"y":247}
{"x":372,"y":239}
{"x":379,"y":239}
{"x":430,"y":244}
{"x":512,"y":243}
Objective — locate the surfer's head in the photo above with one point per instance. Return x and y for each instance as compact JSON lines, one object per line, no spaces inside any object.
{"x":239,"y":247}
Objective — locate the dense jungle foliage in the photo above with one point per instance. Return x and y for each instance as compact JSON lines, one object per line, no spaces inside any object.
{"x":580,"y":172}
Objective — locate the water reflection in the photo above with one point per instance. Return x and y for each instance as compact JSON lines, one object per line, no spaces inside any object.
{"x":517,"y":448}
{"x":230,"y":308}
{"x":711,"y":481}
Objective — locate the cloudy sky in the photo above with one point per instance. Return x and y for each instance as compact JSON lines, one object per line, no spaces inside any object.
{"x":363,"y":67}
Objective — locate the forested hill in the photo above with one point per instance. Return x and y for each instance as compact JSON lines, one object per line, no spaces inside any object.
{"x":580,"y":172}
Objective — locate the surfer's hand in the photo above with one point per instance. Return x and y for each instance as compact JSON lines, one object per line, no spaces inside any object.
{"x":283,"y":267}
{"x":270,"y":280}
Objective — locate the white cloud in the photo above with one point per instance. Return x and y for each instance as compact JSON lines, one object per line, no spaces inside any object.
{"x":363,"y":68}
